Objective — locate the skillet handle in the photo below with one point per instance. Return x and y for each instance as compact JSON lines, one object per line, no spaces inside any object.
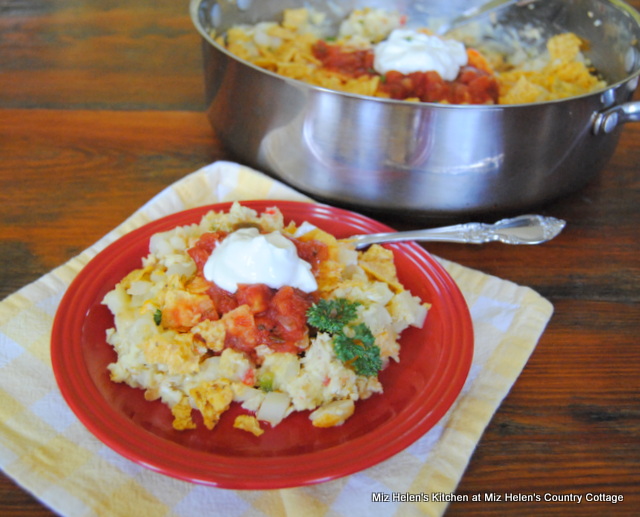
{"x":606,"y":121}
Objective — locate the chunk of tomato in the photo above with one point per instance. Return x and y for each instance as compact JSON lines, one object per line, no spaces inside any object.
{"x":256,"y":296}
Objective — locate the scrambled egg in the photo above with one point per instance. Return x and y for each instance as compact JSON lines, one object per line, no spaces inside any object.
{"x":169,"y":345}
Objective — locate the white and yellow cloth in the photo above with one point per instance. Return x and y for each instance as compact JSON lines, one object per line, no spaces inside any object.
{"x":46,"y":450}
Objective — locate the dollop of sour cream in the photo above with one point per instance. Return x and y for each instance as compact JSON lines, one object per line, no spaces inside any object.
{"x":407,"y":51}
{"x":248,"y":257}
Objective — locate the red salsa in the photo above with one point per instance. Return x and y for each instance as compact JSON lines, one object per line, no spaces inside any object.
{"x":475,"y":84}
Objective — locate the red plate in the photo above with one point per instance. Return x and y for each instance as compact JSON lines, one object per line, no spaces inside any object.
{"x":418,"y":390}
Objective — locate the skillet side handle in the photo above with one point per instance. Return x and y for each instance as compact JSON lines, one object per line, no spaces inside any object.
{"x":606,"y":121}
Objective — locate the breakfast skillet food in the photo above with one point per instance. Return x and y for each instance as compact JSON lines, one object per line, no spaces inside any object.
{"x":244,"y":309}
{"x":374,"y":53}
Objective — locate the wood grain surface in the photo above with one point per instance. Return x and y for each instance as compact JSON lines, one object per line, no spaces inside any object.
{"x":102,"y":106}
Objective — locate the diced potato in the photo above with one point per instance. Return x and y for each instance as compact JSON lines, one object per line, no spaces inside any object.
{"x":274,"y":407}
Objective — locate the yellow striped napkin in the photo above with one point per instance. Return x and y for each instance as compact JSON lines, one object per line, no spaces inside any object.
{"x":46,"y":450}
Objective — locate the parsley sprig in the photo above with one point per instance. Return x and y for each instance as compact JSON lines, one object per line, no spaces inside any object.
{"x":353,"y":344}
{"x":332,"y":315}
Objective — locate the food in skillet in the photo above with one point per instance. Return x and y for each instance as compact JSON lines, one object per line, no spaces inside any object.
{"x":244,"y":309}
{"x":375,"y":54}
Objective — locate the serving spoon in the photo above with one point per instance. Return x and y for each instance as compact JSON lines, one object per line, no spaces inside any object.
{"x":470,"y":14}
{"x":524,"y":229}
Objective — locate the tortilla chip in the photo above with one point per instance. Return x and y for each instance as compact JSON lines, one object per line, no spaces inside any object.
{"x":248,"y":423}
{"x":212,"y":399}
{"x":378,"y":262}
{"x":182,"y":415}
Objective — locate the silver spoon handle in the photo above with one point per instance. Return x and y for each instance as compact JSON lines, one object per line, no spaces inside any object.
{"x":524,"y":229}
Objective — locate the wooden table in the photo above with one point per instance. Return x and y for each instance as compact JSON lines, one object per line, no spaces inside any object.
{"x":101,"y":107}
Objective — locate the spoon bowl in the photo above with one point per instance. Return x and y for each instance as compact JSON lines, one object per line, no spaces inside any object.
{"x":475,"y":12}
